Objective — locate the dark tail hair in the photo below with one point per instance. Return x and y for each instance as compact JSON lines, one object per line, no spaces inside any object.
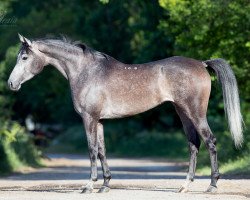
{"x":230,"y":97}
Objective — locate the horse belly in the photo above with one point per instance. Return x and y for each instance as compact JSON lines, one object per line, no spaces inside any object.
{"x":129,"y":102}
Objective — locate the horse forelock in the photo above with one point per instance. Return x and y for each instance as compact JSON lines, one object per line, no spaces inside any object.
{"x":24,"y":49}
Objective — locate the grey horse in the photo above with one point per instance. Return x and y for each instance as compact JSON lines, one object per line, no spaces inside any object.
{"x":104,"y":88}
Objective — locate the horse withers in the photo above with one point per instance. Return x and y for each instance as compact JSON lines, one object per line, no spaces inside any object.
{"x":103,"y":88}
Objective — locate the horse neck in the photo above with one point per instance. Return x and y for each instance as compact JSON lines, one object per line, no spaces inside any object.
{"x":65,"y":60}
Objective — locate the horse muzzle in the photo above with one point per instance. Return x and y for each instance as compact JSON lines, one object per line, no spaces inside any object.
{"x":13,"y":86}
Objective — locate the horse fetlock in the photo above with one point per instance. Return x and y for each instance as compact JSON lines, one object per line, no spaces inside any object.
{"x":215,"y":175}
{"x":107,"y":176}
{"x":94,"y":178}
{"x":190,"y":177}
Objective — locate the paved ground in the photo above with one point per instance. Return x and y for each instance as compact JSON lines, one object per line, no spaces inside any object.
{"x":132,"y":179}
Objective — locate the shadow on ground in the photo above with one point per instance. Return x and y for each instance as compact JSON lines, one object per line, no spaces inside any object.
{"x":76,"y":167}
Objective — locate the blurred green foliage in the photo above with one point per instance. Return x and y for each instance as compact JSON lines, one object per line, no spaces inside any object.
{"x":133,"y":32}
{"x":212,"y":29}
{"x":16,"y":148}
{"x":142,"y":143}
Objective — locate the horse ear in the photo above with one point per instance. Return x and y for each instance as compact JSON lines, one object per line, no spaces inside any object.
{"x":24,"y":40}
{"x":21,"y":37}
{"x":27,"y":41}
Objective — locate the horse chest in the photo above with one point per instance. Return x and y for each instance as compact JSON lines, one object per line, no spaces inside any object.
{"x":88,"y":99}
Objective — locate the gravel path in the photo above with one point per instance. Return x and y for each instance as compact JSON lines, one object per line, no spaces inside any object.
{"x":132,"y":179}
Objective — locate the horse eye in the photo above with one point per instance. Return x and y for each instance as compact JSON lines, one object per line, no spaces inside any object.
{"x":24,"y":58}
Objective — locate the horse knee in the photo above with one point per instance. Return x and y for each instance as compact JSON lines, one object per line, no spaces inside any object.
{"x":216,"y":175}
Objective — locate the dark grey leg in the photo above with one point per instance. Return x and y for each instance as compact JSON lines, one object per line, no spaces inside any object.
{"x":194,"y":145}
{"x":194,"y":149}
{"x":215,"y":175}
{"x":194,"y":114}
{"x":102,"y":156}
{"x":91,"y":133}
{"x":210,"y":142}
{"x":192,"y":167}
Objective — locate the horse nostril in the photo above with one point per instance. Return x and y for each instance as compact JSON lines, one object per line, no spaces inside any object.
{"x":10,"y":84}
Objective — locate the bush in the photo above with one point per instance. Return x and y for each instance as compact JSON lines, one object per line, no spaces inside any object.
{"x":16,"y":148}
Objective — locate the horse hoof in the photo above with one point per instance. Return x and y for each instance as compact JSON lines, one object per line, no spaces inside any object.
{"x":182,"y":190}
{"x":212,"y":189}
{"x":87,"y":190}
{"x":103,"y":189}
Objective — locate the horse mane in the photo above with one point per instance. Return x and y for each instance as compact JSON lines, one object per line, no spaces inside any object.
{"x":66,"y":41}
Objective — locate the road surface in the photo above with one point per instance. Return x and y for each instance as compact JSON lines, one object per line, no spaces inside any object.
{"x":133,"y":179}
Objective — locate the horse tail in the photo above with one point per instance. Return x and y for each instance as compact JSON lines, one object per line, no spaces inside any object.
{"x":230,"y":97}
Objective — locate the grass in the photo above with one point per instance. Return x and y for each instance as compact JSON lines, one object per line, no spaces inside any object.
{"x":241,"y":166}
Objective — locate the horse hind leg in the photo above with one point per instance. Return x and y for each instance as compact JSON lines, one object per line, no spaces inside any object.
{"x":193,"y":144}
{"x":197,"y":115}
{"x":210,"y":143}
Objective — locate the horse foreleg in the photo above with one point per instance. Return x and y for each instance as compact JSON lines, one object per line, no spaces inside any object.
{"x":91,"y":133}
{"x":102,"y":156}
